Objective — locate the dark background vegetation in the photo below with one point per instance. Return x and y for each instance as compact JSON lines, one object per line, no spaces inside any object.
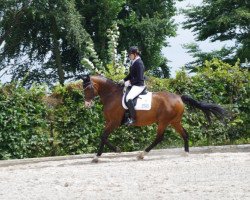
{"x":45,"y":42}
{"x":34,"y":124}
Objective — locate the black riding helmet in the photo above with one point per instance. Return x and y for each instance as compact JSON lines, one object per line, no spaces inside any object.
{"x":133,"y":50}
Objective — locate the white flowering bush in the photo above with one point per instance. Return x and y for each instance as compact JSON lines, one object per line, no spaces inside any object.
{"x":116,"y":61}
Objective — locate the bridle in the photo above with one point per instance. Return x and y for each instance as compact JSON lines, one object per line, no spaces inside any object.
{"x":92,"y":89}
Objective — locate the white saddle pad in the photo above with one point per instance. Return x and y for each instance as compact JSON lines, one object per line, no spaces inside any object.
{"x":143,"y":102}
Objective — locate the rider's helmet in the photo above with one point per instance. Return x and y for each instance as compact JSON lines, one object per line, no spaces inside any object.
{"x":134,"y":50}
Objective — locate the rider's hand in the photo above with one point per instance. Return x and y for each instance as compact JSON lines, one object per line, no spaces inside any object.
{"x":127,"y":83}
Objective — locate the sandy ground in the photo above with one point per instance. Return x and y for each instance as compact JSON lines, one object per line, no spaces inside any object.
{"x":163,"y":174}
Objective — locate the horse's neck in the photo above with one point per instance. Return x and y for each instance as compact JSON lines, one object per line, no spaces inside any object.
{"x":107,"y":90}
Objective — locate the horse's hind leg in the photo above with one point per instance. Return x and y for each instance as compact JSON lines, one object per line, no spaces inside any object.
{"x":179,"y":128}
{"x":158,"y":139}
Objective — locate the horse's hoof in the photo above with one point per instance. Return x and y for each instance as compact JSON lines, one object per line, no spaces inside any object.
{"x":95,"y":159}
{"x":141,"y":155}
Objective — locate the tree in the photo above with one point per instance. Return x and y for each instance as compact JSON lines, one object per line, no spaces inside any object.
{"x":221,"y":20}
{"x":162,"y":71}
{"x":99,"y":16}
{"x":225,"y":54}
{"x":48,"y":34}
{"x":47,"y":40}
{"x":147,"y":24}
{"x":144,"y":23}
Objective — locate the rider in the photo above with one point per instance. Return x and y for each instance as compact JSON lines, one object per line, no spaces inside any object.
{"x":135,"y":78}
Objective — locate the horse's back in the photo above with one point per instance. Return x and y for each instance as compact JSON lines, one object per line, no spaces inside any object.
{"x":169,"y":104}
{"x":167,"y":98}
{"x":166,"y":108}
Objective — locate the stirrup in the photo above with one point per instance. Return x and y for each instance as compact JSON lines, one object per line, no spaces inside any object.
{"x":130,"y":122}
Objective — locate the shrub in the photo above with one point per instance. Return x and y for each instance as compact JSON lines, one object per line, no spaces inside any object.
{"x":35,"y":124}
{"x":24,"y":129}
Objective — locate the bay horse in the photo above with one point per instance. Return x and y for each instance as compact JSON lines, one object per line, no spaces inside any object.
{"x":167,"y":109}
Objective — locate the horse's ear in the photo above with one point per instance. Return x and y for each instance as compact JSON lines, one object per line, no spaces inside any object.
{"x":85,"y":78}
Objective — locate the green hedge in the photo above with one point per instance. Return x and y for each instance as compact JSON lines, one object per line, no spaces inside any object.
{"x":34,"y":124}
{"x":24,"y":129}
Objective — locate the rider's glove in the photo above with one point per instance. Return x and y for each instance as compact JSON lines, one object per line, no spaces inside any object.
{"x":127,"y":83}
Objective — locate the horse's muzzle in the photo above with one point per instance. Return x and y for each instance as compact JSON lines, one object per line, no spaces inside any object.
{"x":89,"y":104}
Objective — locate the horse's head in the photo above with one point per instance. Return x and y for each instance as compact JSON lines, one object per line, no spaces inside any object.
{"x":89,"y":90}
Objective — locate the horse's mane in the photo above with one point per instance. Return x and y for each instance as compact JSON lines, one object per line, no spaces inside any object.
{"x":109,"y":81}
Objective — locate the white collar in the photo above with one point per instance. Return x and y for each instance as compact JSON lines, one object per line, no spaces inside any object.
{"x":135,"y":59}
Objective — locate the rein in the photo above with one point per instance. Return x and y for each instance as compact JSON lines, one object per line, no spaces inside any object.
{"x":85,"y":85}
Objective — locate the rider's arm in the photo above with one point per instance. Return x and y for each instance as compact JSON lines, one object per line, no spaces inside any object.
{"x":128,"y":77}
{"x":140,"y":71}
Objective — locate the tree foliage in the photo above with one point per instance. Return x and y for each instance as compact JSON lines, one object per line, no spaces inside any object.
{"x":221,"y":20}
{"x":225,"y":54}
{"x":45,"y":41}
{"x":146,"y":24}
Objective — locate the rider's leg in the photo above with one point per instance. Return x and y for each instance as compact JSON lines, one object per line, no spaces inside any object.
{"x":131,"y":109}
{"x":135,"y":91}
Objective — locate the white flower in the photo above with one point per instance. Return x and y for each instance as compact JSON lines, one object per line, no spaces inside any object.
{"x":88,"y":63}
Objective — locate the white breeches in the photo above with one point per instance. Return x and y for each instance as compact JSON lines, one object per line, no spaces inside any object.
{"x":135,"y":91}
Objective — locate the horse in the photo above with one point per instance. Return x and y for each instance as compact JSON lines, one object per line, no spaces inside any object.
{"x":166,"y":109}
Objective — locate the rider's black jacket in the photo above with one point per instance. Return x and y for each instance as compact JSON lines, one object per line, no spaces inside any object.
{"x":136,"y":73}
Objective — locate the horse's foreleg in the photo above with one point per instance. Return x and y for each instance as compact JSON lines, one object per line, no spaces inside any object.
{"x":104,"y":140}
{"x":158,"y":139}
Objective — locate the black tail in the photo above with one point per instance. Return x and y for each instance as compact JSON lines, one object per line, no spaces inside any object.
{"x":207,"y":108}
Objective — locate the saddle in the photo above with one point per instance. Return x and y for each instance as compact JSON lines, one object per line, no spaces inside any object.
{"x":141,"y":102}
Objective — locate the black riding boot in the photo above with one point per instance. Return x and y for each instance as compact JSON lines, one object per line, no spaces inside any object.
{"x":131,"y":119}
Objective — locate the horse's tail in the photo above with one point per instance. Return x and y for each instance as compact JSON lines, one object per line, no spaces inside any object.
{"x":207,"y":108}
